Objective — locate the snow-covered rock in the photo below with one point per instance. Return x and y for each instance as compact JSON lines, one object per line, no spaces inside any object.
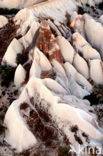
{"x":19,"y":136}
{"x":3,"y":21}
{"x":101,"y":19}
{"x":25,"y":3}
{"x":47,"y":9}
{"x":58,"y":74}
{"x":75,"y":88}
{"x":77,"y":76}
{"x":94,"y":33}
{"x":81,"y":65}
{"x":68,"y":81}
{"x":18,"y":4}
{"x":66,"y":49}
{"x":96,"y":71}
{"x":84,"y":47}
{"x":10,"y":55}
{"x":54,"y":86}
{"x":77,"y":23}
{"x":28,"y":38}
{"x":40,"y":63}
{"x":20,"y":75}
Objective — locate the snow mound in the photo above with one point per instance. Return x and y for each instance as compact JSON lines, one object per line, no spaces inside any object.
{"x":11,"y":54}
{"x":3,"y":21}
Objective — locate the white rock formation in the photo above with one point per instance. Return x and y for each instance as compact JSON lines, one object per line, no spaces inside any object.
{"x":77,"y":76}
{"x":77,"y":23}
{"x":60,"y":95}
{"x":60,"y":113}
{"x":18,"y":134}
{"x":10,"y":55}
{"x":84,"y":47}
{"x":47,"y":9}
{"x":3,"y":21}
{"x":81,"y":65}
{"x":94,"y":33}
{"x":67,"y":50}
{"x":18,"y":4}
{"x":40,"y":63}
{"x":96,"y":71}
{"x":20,"y":75}
{"x":25,"y":3}
{"x":28,"y":38}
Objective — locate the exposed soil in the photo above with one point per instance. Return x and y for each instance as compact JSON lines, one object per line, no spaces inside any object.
{"x":46,"y":43}
{"x":48,"y":74}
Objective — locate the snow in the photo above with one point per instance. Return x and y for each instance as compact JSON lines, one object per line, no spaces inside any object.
{"x":3,"y":21}
{"x":66,"y":75}
{"x":84,"y":121}
{"x":18,"y":4}
{"x":90,"y":2}
{"x":40,"y":63}
{"x":101,"y":19}
{"x":75,"y":89}
{"x":94,"y":33}
{"x":61,"y":75}
{"x":54,"y":86}
{"x":78,"y":39}
{"x":10,"y":55}
{"x":96,"y":71}
{"x":81,"y":65}
{"x":66,"y":49}
{"x":53,"y":9}
{"x":77,"y":103}
{"x":84,"y":47}
{"x":18,"y":135}
{"x":20,"y":75}
{"x":78,"y":22}
{"x":77,"y":76}
{"x":28,"y":38}
{"x":58,"y":68}
{"x":63,"y":111}
{"x":62,"y":96}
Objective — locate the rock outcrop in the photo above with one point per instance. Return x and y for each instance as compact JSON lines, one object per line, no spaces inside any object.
{"x":57,"y":59}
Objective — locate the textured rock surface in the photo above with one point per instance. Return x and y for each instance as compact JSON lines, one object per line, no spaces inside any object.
{"x":55,"y":60}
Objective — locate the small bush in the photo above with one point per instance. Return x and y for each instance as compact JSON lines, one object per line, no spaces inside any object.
{"x":64,"y":151}
{"x":7,"y":74}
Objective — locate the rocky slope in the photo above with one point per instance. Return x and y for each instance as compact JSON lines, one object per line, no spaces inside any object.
{"x":51,"y":73}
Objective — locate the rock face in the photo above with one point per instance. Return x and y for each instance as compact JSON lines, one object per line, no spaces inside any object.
{"x":56,"y":66}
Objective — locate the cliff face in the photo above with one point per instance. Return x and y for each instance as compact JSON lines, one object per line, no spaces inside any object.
{"x":52,"y":64}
